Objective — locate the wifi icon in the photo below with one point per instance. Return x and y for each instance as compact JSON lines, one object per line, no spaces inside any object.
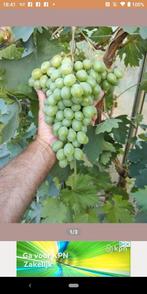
{"x":122,"y":3}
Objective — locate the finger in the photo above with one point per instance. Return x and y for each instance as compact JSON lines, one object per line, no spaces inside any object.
{"x":41,"y":98}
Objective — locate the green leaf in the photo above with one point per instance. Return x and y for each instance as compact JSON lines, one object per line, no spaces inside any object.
{"x":81,"y":194}
{"x":9,"y":121}
{"x":60,"y":173}
{"x":133,"y":51}
{"x":121,"y":133}
{"x":118,"y":210}
{"x":54,"y":211}
{"x":102,"y":35}
{"x":96,"y":145}
{"x":11,"y":52}
{"x":17,"y":72}
{"x":107,"y":125}
{"x":105,"y":158}
{"x":141,"y":179}
{"x":141,"y":198}
{"x":90,"y":217}
{"x":23,"y":33}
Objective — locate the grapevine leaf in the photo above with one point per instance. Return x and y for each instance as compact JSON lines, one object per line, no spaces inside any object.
{"x":141,"y":179}
{"x":101,"y":35}
{"x":141,"y":198}
{"x":58,"y":172}
{"x":90,"y":217}
{"x":11,"y":52}
{"x":96,"y":145}
{"x":118,"y":210}
{"x":23,"y":33}
{"x":105,"y":158}
{"x":120,"y":134}
{"x":9,"y":121}
{"x":133,"y":51}
{"x":107,"y":125}
{"x":54,"y":211}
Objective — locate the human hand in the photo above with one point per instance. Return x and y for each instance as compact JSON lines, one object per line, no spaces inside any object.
{"x":44,"y":130}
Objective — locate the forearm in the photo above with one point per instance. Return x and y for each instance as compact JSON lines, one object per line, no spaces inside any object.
{"x":20,"y":179}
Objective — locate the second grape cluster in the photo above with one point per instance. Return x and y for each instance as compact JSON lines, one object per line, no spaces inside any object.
{"x":72,"y":89}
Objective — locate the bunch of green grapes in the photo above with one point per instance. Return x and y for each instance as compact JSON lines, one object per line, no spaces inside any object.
{"x":71,"y":89}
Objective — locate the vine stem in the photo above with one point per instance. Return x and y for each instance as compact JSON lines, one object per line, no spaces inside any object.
{"x":73,"y":43}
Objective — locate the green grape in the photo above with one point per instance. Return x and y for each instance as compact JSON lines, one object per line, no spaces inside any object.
{"x":76,"y":125}
{"x":111,"y":78}
{"x":60,"y":154}
{"x":92,"y":82}
{"x":65,"y":93}
{"x":59,"y":115}
{"x":78,"y":154}
{"x":68,"y":113}
{"x":97,"y":91}
{"x":76,"y":144}
{"x":51,"y":100}
{"x":76,"y":90}
{"x":77,"y":100}
{"x":56,"y":127}
{"x":52,"y":86}
{"x":84,"y":129}
{"x":61,"y":105}
{"x":82,"y":75}
{"x":86,"y":121}
{"x":70,"y":158}
{"x":106,"y":85}
{"x":45,"y":66}
{"x":31,"y":82}
{"x":37,"y":85}
{"x":87,"y":101}
{"x":43,"y":81}
{"x":50,"y":70}
{"x":36,"y":74}
{"x":48,"y":83}
{"x":99,"y":66}
{"x":98,"y":78}
{"x":76,"y":107}
{"x":79,"y":115}
{"x":67,"y":102}
{"x":59,"y":83}
{"x":49,"y":92}
{"x":81,"y":138}
{"x":68,"y":149}
{"x":86,"y":88}
{"x":55,"y":74}
{"x":57,"y":94}
{"x":69,"y":80}
{"x":49,"y":120}
{"x":118,"y":73}
{"x":56,"y":61}
{"x":93,"y":74}
{"x":50,"y":111}
{"x":67,"y":60}
{"x":66,"y":122}
{"x":66,"y":68}
{"x":104,"y":75}
{"x":63,"y":163}
{"x":87,"y":64}
{"x":57,"y":145}
{"x":71,"y":135}
{"x":62,"y":133}
{"x":78,"y":65}
{"x":89,"y":111}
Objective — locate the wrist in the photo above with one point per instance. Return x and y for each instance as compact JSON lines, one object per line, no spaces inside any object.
{"x":45,"y":146}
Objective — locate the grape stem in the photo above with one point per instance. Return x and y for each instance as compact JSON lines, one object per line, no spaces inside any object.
{"x":75,"y":172}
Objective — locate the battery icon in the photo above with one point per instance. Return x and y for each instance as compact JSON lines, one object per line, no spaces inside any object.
{"x":129,"y":4}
